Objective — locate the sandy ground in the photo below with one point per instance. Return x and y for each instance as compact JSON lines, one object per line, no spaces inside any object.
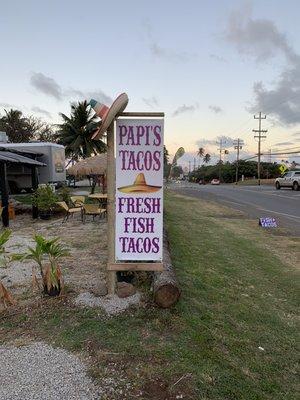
{"x":83,"y":270}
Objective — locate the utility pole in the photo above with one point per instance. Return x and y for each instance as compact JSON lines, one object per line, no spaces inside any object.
{"x":194,"y":164}
{"x":220,"y":159}
{"x":221,"y":150}
{"x":270,"y":161}
{"x":259,"y":137}
{"x":189,"y":167}
{"x":238,"y":145}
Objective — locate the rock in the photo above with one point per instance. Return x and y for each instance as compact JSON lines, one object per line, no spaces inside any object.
{"x":101,"y":289}
{"x":125,"y":289}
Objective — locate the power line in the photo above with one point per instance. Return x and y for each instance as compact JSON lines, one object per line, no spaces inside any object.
{"x":281,"y":153}
{"x":259,"y":137}
{"x":289,"y":148}
{"x":269,"y":154}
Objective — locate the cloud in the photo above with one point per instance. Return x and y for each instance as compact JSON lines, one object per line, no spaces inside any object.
{"x":150,"y":102}
{"x":284,"y":144}
{"x":50,"y":87}
{"x":39,"y":110}
{"x":212,"y":147}
{"x":261,"y":39}
{"x":168,"y":54}
{"x":215,"y":57}
{"x":184,"y":109}
{"x":163,"y":53}
{"x":215,"y":109}
{"x":227,"y":141}
{"x":206,"y":142}
{"x":46,"y":85}
{"x":296,"y":134}
{"x":283,"y":100}
{"x":98,"y":95}
{"x":7,"y":105}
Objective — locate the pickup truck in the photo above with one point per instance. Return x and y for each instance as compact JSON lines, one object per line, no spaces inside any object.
{"x":289,"y":179}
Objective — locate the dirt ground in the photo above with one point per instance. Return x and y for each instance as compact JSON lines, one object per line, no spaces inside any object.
{"x":83,"y":270}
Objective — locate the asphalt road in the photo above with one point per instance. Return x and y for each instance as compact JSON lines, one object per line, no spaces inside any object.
{"x":255,"y":201}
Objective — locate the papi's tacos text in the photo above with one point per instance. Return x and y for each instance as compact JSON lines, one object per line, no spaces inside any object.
{"x":139,"y":194}
{"x":140,"y":136}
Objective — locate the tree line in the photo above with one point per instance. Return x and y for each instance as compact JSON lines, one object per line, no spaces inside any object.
{"x":227,"y":171}
{"x":74,"y":132}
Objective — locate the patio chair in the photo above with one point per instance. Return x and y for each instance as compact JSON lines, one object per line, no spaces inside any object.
{"x":68,"y":210}
{"x":92,"y":209}
{"x":78,"y":201}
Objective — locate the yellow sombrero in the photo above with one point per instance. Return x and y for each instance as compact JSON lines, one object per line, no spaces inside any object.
{"x":139,"y":186}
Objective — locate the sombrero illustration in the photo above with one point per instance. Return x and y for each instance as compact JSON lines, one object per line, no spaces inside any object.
{"x":139,"y":186}
{"x":107,"y":114}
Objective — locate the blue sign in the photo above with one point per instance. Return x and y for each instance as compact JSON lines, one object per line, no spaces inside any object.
{"x":268,"y":222}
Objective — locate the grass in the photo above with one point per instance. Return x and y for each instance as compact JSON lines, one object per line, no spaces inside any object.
{"x":23,"y":198}
{"x":233,"y":335}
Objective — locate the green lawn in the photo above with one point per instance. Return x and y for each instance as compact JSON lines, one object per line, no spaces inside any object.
{"x":232,"y":336}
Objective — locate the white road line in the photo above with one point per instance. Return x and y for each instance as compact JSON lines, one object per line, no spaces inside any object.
{"x":286,"y":215}
{"x":271,"y":194}
{"x":262,"y":209}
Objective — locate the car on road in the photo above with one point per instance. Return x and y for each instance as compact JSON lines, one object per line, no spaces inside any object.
{"x":289,"y":179}
{"x":215,"y":182}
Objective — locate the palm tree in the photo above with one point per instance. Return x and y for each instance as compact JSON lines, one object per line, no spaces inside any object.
{"x":201,"y":152}
{"x":76,"y":132}
{"x":206,"y":158}
{"x":16,"y":126}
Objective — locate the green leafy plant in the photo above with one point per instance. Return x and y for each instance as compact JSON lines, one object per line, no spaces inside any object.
{"x":46,"y":254}
{"x":5,"y":296}
{"x":65,"y":194}
{"x":44,"y":198}
{"x":4,"y":236}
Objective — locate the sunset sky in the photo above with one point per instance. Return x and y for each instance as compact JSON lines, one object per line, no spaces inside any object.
{"x":209,"y":65}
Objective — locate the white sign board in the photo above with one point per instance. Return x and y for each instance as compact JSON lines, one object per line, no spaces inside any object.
{"x":139,"y":190}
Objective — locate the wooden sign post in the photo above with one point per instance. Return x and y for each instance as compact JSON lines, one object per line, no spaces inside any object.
{"x":111,"y":178}
{"x":136,"y":184}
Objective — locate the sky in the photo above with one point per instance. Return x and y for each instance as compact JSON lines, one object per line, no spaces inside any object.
{"x":209,"y":65}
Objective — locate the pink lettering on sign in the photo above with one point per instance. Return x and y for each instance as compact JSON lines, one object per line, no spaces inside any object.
{"x":139,"y":190}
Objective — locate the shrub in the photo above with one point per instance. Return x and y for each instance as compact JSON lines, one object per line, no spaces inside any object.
{"x":44,"y":198}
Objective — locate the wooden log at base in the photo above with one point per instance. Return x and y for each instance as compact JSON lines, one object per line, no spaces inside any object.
{"x":165,"y":285}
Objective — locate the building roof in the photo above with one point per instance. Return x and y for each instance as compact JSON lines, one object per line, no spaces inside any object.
{"x":9,"y":156}
{"x":90,"y":166}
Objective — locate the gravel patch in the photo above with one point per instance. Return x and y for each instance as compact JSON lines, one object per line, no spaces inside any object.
{"x":84,"y":270}
{"x":111,"y":304}
{"x":41,"y":372}
{"x":17,"y":273}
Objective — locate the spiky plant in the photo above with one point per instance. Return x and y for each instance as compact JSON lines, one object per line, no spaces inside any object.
{"x":46,"y":254}
{"x":76,"y":132}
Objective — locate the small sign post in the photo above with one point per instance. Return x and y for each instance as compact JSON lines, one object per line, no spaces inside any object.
{"x":268,"y":222}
